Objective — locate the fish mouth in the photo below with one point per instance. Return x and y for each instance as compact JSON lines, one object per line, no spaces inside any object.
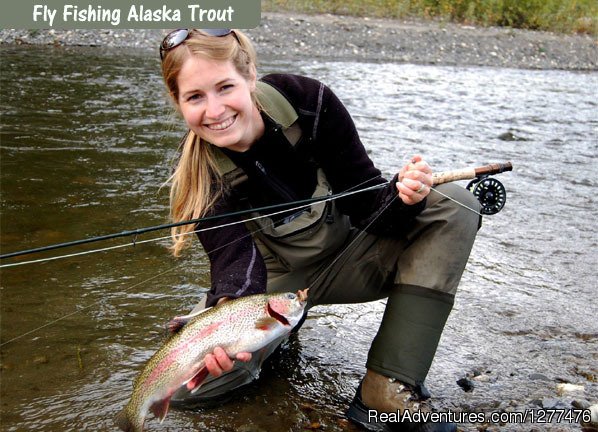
{"x":278,"y":317}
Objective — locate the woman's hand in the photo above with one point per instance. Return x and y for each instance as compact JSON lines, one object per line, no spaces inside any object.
{"x":218,"y":361}
{"x":415,"y":181}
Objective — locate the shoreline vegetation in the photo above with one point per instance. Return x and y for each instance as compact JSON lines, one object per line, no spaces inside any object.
{"x":559,"y":16}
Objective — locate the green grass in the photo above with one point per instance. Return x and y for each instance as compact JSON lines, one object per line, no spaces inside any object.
{"x":562,"y":16}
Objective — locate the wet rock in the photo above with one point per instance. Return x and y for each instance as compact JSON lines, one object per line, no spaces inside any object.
{"x":567,"y":388}
{"x":484,"y":378}
{"x":553,"y":403}
{"x":539,"y":377}
{"x":466,"y":384}
{"x":592,"y":425}
{"x":510,"y":136}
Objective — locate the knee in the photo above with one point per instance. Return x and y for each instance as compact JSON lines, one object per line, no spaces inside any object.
{"x":462,"y":208}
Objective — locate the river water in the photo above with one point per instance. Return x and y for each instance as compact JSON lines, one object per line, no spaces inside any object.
{"x":87,"y":141}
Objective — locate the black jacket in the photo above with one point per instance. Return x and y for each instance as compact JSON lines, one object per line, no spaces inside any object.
{"x":279,"y":172}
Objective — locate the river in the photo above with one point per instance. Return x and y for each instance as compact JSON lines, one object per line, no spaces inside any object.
{"x":87,"y":142}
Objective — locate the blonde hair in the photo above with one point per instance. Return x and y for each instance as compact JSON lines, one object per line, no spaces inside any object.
{"x":196,"y":181}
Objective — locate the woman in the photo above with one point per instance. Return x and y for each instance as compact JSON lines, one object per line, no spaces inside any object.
{"x":286,"y":138}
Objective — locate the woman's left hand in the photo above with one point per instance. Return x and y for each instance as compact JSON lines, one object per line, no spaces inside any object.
{"x":218,"y":361}
{"x":415,"y":181}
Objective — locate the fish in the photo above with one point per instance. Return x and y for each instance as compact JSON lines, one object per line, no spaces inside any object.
{"x":246,"y":324}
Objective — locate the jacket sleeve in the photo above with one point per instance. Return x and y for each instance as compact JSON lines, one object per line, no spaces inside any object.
{"x":347,"y":166}
{"x":236,"y":265}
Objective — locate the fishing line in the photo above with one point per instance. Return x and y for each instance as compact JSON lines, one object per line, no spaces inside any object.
{"x":363,"y":231}
{"x":134,"y":243}
{"x":490,"y":203}
{"x":360,"y":235}
{"x":456,"y":201}
{"x":85,"y":307}
{"x":176,"y":265}
{"x":337,"y":258}
{"x":126,"y":289}
{"x":304,"y":203}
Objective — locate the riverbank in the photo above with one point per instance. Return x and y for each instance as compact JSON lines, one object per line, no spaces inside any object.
{"x":333,"y":37}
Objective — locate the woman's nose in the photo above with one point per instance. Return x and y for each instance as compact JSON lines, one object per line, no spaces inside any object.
{"x":215,"y":108}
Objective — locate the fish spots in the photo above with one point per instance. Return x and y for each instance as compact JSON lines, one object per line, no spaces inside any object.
{"x":171,"y":358}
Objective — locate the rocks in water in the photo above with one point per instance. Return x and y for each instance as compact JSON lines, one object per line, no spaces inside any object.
{"x":510,"y":136}
{"x":592,"y":424}
{"x":568,"y":388}
{"x":539,"y":377}
{"x":466,"y":384}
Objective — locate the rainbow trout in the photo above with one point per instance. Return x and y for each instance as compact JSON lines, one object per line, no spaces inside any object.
{"x":245,"y":324}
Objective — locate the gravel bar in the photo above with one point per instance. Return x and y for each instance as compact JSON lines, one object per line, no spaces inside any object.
{"x":334,"y":37}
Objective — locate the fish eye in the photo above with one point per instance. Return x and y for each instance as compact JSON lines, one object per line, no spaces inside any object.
{"x":291,"y":296}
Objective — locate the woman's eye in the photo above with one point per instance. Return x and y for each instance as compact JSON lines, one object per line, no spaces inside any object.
{"x":226,"y":87}
{"x":194,"y":98}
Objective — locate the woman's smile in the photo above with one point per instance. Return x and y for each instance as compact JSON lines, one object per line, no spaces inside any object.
{"x":223,"y":124}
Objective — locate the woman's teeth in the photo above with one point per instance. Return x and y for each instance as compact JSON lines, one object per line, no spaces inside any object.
{"x":222,"y":125}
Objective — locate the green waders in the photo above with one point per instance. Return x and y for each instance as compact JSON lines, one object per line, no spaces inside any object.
{"x":418,"y":274}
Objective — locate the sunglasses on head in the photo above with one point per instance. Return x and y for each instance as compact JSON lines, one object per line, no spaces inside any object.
{"x":177,"y":37}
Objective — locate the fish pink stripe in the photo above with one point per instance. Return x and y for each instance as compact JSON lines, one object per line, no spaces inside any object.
{"x":167,"y":361}
{"x":171,"y":357}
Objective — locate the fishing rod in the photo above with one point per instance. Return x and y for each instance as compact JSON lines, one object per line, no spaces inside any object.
{"x":138,"y":231}
{"x":487,"y":195}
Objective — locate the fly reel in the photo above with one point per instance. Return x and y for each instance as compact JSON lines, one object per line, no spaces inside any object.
{"x":491,"y":194}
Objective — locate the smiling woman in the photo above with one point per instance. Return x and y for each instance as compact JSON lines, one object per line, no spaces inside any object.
{"x":234,"y":56}
{"x":215,"y":101}
{"x":286,"y":138}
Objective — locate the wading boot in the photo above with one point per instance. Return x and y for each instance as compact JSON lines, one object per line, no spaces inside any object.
{"x":383,"y":404}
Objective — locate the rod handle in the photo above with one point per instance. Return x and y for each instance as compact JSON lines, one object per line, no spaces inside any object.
{"x":470,"y":173}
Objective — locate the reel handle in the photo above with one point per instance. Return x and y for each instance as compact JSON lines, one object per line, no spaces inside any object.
{"x":470,"y":173}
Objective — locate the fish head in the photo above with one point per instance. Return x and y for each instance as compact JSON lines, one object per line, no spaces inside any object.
{"x":287,"y":308}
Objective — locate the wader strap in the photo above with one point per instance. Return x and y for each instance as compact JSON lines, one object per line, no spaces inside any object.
{"x":276,"y":105}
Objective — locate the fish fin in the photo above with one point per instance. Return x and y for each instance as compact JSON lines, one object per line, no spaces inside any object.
{"x":178,"y":322}
{"x":197,"y":380}
{"x":123,"y":422}
{"x":265,"y":323}
{"x":160,"y":408}
{"x":302,"y":294}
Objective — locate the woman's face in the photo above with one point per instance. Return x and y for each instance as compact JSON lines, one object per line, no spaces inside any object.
{"x":215,"y":101}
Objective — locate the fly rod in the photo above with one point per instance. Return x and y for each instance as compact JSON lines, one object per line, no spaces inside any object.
{"x":438,"y":178}
{"x":470,"y":173}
